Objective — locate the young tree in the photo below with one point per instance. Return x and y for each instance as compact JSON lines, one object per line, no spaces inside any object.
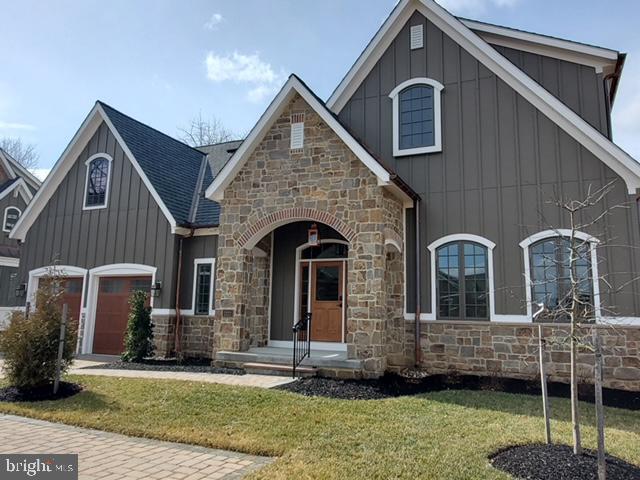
{"x":24,"y":153}
{"x":138,"y":342}
{"x":205,"y":131}
{"x":563,"y":282}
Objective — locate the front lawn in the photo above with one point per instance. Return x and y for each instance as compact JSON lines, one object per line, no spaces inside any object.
{"x":437,"y":435}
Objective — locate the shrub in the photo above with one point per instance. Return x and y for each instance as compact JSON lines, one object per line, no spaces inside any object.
{"x":138,"y":342}
{"x":30,"y":345}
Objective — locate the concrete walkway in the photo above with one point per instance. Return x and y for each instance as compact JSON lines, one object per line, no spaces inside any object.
{"x":109,"y":456}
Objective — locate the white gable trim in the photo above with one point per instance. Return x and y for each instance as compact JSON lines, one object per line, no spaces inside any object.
{"x":609,"y":153}
{"x":215,"y":191}
{"x":6,"y":164}
{"x":20,"y":188}
{"x":14,"y":169}
{"x":67,"y":160}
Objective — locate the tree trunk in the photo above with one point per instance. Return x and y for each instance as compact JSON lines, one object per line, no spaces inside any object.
{"x":575,"y":314}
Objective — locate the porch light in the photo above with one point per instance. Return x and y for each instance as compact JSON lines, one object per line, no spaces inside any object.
{"x":21,"y":290}
{"x":155,"y":289}
{"x":313,"y":236}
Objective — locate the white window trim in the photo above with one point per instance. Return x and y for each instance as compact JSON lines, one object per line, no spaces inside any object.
{"x":465,"y":237}
{"x":4,"y":220}
{"x":566,"y":233}
{"x":95,"y":274}
{"x":437,"y":117}
{"x":9,"y":262}
{"x":296,"y":302}
{"x":86,"y":182}
{"x":196,"y":262}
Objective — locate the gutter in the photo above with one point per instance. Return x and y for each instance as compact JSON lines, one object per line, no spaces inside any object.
{"x":418,"y":350}
{"x":177,"y":346}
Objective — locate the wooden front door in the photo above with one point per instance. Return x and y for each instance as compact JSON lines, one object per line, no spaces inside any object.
{"x":327,"y":296}
{"x":112,"y":312}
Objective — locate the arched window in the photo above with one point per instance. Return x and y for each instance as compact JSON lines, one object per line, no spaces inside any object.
{"x":11,"y":216}
{"x":462,"y":281}
{"x":551,"y":274}
{"x":547,"y":264}
{"x":97,"y":183}
{"x":416,"y":117}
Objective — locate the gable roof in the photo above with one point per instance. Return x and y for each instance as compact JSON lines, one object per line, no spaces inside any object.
{"x":18,"y":185}
{"x":14,"y":169}
{"x":574,"y":125}
{"x":169,"y":168}
{"x":386,"y":177}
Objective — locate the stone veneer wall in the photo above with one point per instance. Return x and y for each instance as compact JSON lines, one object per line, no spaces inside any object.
{"x":197,"y":336}
{"x":324,"y":179}
{"x":163,"y":334}
{"x":511,"y":350}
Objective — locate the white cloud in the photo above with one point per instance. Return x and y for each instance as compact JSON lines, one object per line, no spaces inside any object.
{"x":245,"y":69}
{"x":215,"y":20}
{"x":40,"y":173}
{"x":474,"y":7}
{"x":15,"y":126}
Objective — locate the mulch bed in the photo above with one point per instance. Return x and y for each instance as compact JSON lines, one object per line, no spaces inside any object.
{"x":557,"y":462}
{"x":13,"y":394}
{"x":392,"y":385}
{"x":170,"y":365}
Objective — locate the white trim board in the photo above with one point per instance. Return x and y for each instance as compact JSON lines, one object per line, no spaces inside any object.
{"x":211,"y":309}
{"x":64,"y":270}
{"x":574,"y":125}
{"x":6,"y":214}
{"x":9,"y":262}
{"x":215,"y":191}
{"x":19,"y":187}
{"x":14,"y":169}
{"x":89,"y":126}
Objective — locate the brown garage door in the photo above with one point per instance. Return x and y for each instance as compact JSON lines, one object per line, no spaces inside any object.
{"x":72,"y":296}
{"x":112,"y":312}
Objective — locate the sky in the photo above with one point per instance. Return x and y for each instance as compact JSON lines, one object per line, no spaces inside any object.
{"x":165,"y":61}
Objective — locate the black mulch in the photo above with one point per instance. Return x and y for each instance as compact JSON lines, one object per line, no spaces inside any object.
{"x":170,"y":365}
{"x":557,"y":462}
{"x":392,"y":385}
{"x":13,"y":394}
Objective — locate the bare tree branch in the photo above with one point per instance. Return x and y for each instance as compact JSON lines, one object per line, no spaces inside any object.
{"x":205,"y":131}
{"x":23,"y":153}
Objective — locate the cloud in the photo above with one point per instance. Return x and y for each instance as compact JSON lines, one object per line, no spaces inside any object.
{"x":15,"y":126}
{"x":245,"y":69}
{"x":215,"y":20}
{"x":474,"y":7}
{"x":40,"y":173}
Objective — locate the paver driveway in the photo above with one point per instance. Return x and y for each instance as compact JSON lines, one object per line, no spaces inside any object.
{"x":111,"y":456}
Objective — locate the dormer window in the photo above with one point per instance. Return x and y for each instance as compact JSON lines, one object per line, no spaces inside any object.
{"x":96,"y":192}
{"x":416,"y":117}
{"x":11,"y":216}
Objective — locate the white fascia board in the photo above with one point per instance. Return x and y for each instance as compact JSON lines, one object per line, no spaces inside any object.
{"x":21,"y":171}
{"x":66,"y":161}
{"x":215,"y":191}
{"x":6,"y":164}
{"x":22,"y":189}
{"x":574,"y":125}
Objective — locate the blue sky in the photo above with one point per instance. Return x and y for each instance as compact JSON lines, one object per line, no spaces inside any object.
{"x":164,"y":61}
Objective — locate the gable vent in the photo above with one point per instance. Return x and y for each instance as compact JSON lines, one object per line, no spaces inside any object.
{"x":297,"y":131}
{"x":417,"y":37}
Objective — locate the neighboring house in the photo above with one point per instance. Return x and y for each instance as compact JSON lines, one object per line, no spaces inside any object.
{"x":17,"y":187}
{"x":467,"y":127}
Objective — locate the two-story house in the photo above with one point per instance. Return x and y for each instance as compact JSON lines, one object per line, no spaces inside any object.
{"x":412,"y":204}
{"x":17,"y":187}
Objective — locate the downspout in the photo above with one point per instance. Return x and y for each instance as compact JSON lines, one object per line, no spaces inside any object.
{"x":177,"y":336}
{"x":418,"y":352}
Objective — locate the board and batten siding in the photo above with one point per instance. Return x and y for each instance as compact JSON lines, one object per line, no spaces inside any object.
{"x":501,"y":161}
{"x":10,"y":200}
{"x":8,"y":284}
{"x":132,"y":229}
{"x":192,"y":249}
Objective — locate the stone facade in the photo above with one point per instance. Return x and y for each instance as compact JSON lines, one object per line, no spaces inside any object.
{"x":164,"y":334}
{"x":511,"y":350}
{"x":324,"y":182}
{"x":197,"y":336}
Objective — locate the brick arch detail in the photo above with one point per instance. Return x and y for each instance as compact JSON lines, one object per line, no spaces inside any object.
{"x":260,"y":228}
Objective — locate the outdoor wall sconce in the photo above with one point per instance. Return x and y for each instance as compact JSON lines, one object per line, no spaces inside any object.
{"x":313,"y":236}
{"x":155,"y":289}
{"x":21,"y":290}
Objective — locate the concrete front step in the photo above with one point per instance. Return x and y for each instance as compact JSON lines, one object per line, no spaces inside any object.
{"x":278,"y":369}
{"x":284,"y":356}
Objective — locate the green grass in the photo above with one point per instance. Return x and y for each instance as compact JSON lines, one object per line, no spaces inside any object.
{"x":443,"y":435}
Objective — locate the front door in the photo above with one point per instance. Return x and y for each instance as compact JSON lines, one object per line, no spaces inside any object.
{"x":327,"y":297}
{"x":112,"y":312}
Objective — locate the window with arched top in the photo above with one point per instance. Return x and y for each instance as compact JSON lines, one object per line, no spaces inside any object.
{"x":463,"y":281}
{"x":11,"y":216}
{"x":97,"y":181}
{"x":416,"y":117}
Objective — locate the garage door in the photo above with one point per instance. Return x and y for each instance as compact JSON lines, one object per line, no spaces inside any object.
{"x":72,"y":296}
{"x":112,"y":312}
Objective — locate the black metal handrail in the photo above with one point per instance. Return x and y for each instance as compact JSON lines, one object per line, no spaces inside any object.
{"x":301,"y":341}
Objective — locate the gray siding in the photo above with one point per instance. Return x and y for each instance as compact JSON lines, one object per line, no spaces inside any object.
{"x":193,"y":248}
{"x":287,"y":239}
{"x":501,"y":162}
{"x":132,"y":229}
{"x":8,"y":284}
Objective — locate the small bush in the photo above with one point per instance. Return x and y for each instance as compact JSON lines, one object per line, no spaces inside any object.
{"x":138,"y":341}
{"x":30,"y":345}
